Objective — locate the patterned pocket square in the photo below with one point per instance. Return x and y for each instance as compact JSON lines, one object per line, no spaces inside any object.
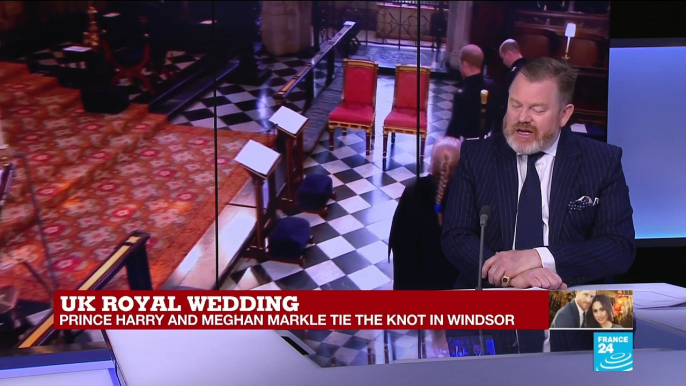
{"x":583,"y":203}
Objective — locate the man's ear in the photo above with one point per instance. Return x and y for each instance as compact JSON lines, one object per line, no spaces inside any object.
{"x":566,"y":114}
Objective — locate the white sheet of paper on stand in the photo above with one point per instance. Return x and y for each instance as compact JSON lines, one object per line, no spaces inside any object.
{"x":579,"y":128}
{"x":77,"y":49}
{"x":257,"y":157}
{"x":288,"y":120}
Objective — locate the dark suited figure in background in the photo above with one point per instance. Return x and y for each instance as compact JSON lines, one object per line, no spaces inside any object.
{"x":513,"y":60}
{"x":575,"y":313}
{"x":465,"y":122}
{"x":438,"y":26}
{"x":415,"y":237}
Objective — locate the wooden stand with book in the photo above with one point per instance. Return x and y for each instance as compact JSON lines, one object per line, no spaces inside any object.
{"x":290,"y":124}
{"x":260,"y":161}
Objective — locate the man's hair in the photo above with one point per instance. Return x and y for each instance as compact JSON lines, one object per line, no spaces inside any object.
{"x":545,"y":68}
{"x":472,"y":54}
{"x":509,"y":45}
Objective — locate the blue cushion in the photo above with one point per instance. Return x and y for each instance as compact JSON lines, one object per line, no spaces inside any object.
{"x":289,"y":238}
{"x":314,"y":192}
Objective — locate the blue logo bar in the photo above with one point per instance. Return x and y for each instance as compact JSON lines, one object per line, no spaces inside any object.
{"x":613,"y":351}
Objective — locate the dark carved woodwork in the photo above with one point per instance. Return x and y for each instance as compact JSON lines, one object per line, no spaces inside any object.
{"x":486,"y":15}
{"x":591,"y":97}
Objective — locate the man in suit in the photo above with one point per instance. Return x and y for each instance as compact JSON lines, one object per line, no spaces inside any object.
{"x":561,"y":213}
{"x":513,"y":60}
{"x":465,"y":122}
{"x":476,"y":349}
{"x":574,"y":313}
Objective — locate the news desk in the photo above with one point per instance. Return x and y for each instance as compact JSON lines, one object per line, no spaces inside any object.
{"x":205,"y":357}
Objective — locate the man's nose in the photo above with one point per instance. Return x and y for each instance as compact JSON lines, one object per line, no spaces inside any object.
{"x":524,"y":116}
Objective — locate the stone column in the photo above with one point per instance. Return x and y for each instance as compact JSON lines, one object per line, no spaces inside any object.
{"x":286,"y":26}
{"x":459,"y":27}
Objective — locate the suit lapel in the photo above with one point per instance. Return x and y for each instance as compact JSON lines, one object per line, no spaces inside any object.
{"x":507,"y":192}
{"x":565,"y":169}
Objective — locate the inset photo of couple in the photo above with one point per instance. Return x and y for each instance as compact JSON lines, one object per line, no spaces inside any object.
{"x":587,"y":309}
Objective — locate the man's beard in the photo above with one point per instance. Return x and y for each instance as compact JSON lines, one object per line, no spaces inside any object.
{"x":539,"y":143}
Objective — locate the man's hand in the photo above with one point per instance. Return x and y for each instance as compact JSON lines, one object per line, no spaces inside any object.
{"x":538,"y":277}
{"x":510,"y":264}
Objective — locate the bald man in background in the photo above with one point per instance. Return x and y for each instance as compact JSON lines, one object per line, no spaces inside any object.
{"x":465,"y":122}
{"x":514,"y":61}
{"x":512,"y":58}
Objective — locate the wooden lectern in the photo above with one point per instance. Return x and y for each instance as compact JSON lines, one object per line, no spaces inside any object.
{"x":260,"y":161}
{"x":290,"y":125}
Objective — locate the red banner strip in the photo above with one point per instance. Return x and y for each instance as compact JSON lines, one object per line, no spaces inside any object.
{"x":459,"y":310}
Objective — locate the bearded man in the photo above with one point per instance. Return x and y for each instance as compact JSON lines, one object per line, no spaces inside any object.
{"x":560,"y":209}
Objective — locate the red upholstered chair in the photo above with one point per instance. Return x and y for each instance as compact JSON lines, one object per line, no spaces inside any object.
{"x":357,"y":108}
{"x":403,"y":116}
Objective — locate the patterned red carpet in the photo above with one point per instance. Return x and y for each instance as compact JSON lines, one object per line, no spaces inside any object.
{"x":98,"y":177}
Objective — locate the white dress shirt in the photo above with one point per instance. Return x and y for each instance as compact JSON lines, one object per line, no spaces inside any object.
{"x":544,"y":166}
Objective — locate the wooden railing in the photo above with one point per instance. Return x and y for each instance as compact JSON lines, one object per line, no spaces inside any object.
{"x":306,"y":75}
{"x":130,"y":254}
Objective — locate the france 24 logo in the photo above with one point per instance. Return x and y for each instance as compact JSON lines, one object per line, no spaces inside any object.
{"x":613,"y":351}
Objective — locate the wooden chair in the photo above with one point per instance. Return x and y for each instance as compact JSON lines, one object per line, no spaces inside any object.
{"x":357,"y":108}
{"x":403,"y":116}
{"x":128,"y":50}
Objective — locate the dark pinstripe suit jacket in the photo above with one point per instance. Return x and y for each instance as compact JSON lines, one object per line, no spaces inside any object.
{"x":588,"y":245}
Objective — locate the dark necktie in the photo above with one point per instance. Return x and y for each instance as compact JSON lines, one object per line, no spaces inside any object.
{"x":529,"y":212}
{"x":583,"y":322}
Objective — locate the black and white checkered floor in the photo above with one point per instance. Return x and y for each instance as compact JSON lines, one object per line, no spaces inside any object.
{"x":351,"y":249}
{"x":248,"y":108}
{"x":351,"y":244}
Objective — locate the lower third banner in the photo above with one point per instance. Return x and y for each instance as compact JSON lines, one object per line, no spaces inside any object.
{"x":468,"y":310}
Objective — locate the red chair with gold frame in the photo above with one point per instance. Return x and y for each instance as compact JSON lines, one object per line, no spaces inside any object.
{"x":403,"y":116}
{"x":357,"y":109}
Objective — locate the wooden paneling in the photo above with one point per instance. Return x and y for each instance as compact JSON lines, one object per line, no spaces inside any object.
{"x":588,"y":48}
{"x":542,"y":33}
{"x":590,"y":96}
{"x":488,"y":30}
